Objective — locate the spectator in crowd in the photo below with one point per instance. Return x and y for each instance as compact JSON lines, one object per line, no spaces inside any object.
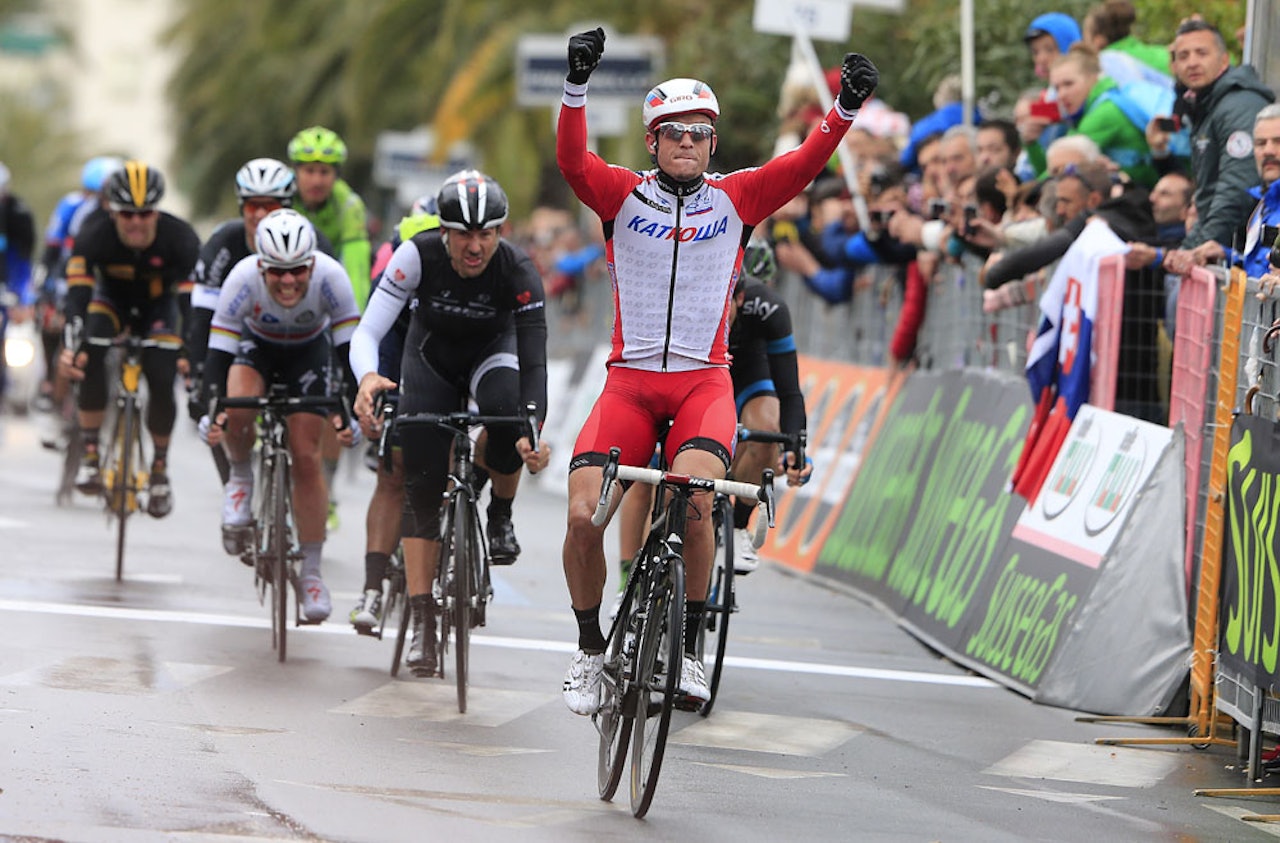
{"x":1108,"y":29}
{"x":948,"y":111}
{"x":1170,"y":206}
{"x":1038,"y":118}
{"x":1220,"y":103}
{"x":998,"y":144}
{"x":959,"y":153}
{"x":1069,"y":150}
{"x":17,"y":250}
{"x":1264,"y":222}
{"x":1088,"y":102}
{"x":1049,"y":36}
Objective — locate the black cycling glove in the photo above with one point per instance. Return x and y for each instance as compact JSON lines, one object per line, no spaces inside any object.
{"x":858,"y":80}
{"x":585,"y":49}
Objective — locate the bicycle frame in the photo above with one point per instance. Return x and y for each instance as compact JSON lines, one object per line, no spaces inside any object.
{"x":462,"y":585}
{"x":645,"y":645}
{"x":273,"y":552}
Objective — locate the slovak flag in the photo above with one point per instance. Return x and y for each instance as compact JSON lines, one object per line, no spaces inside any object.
{"x":1058,"y":365}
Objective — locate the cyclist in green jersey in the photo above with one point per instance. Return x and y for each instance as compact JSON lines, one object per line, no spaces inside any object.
{"x":329,"y":202}
{"x":338,"y":213}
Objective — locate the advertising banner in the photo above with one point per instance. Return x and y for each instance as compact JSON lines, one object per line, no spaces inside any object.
{"x":1249,"y":622}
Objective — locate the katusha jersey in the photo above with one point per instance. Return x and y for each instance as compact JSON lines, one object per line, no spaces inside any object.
{"x":674,"y":250}
{"x":245,"y":306}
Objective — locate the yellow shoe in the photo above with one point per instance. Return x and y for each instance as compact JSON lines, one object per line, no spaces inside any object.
{"x":332,"y":523}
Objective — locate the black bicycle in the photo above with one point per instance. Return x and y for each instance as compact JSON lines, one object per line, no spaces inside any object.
{"x":644,"y":652}
{"x":463,"y":586}
{"x":271,"y":550}
{"x":722,"y":594}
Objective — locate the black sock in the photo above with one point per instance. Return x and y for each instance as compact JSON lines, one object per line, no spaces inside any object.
{"x":693,"y":610}
{"x":160,"y":455}
{"x":742,"y":514}
{"x":375,"y":568}
{"x":90,"y":440}
{"x":590,"y":638}
{"x":499,"y":506}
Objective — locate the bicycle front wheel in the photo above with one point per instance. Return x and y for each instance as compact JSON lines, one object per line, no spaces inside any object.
{"x":120,"y":485}
{"x":661,"y":654}
{"x":278,"y":545}
{"x":720,"y":604}
{"x":464,"y":567}
{"x":615,"y":717}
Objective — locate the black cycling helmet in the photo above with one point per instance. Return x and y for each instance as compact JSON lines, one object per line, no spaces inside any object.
{"x":471,"y":200}
{"x":134,"y":187}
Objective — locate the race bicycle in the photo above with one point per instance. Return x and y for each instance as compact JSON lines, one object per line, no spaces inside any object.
{"x":270,"y":547}
{"x":462,"y":587}
{"x":644,"y":650}
{"x":722,"y":594}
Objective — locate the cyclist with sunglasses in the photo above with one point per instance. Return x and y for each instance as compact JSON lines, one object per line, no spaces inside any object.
{"x":479,"y":330}
{"x":125,"y":273}
{"x":674,"y":239}
{"x":262,"y":186}
{"x":281,"y":315}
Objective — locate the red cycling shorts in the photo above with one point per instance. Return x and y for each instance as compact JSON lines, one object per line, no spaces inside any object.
{"x":635,"y":406}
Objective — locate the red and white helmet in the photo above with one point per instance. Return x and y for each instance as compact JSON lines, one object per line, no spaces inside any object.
{"x":679,"y":96}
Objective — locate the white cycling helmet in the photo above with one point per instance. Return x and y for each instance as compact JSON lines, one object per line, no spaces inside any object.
{"x":285,"y":238}
{"x":266,"y":177}
{"x":679,"y":96}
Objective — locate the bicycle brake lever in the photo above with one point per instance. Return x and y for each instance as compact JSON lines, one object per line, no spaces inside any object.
{"x":607,"y":487}
{"x":532,"y":410}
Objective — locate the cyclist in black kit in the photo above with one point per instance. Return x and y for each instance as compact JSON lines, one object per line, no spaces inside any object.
{"x":479,"y":329}
{"x":125,"y":274}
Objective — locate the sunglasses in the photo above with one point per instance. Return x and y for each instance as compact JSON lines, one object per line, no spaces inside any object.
{"x":278,"y":272}
{"x":267,"y":205}
{"x":130,"y":213}
{"x":699,"y":132}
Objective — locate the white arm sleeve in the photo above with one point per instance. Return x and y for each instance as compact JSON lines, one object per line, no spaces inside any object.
{"x":235,"y":301}
{"x":394,"y":290}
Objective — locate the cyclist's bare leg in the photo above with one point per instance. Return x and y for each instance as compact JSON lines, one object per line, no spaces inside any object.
{"x":420,"y":559}
{"x":242,"y":382}
{"x":584,"y":564}
{"x":310,"y":493}
{"x":699,"y":535}
{"x":383,"y":521}
{"x":752,"y":458}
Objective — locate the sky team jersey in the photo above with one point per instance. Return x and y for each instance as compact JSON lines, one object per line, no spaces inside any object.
{"x":674,"y":254}
{"x":245,"y":307}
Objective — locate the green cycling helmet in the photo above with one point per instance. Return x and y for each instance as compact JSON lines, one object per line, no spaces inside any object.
{"x":318,"y":144}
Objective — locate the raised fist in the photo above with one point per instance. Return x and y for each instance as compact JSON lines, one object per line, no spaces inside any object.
{"x":858,"y":80}
{"x":585,"y":49}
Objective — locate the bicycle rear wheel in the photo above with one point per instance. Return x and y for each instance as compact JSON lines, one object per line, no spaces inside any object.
{"x":615,"y":717}
{"x":720,"y":603}
{"x":464,"y":566}
{"x":661,"y":654}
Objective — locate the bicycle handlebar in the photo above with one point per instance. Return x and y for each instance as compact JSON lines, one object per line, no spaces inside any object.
{"x":461,"y":421}
{"x":794,"y":441}
{"x":761,"y":494}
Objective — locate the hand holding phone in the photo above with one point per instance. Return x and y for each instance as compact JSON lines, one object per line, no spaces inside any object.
{"x":1047,"y":111}
{"x":1168,"y":124}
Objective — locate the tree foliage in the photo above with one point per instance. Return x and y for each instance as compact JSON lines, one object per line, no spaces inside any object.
{"x":251,"y":73}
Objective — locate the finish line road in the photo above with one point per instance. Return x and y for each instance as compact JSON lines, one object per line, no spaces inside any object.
{"x":154,"y":709}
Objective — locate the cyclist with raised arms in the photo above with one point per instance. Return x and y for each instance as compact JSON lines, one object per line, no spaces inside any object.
{"x":479,"y":330}
{"x":263,"y":185}
{"x":338,"y":212}
{"x":674,"y":239}
{"x":766,"y":391}
{"x":281,"y":315}
{"x":125,"y":274}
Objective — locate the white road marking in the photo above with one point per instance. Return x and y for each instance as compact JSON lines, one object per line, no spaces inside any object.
{"x":11,"y":524}
{"x":1236,"y":812}
{"x":1053,"y":796}
{"x":477,"y":750}
{"x":1089,"y":764}
{"x":114,"y":676}
{"x":528,"y":644}
{"x":437,"y":702}
{"x":773,"y":772}
{"x":774,"y":733}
